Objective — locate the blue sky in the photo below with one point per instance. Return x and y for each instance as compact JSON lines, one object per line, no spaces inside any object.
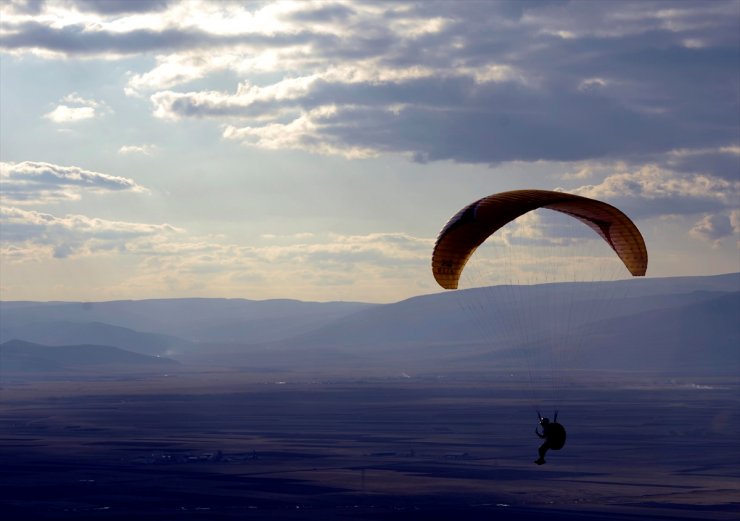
{"x":313,"y":150}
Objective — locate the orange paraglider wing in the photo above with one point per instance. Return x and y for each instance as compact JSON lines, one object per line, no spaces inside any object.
{"x":472,"y":225}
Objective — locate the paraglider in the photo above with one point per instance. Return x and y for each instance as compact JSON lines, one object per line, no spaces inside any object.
{"x":474,"y":224}
{"x":554,"y":435}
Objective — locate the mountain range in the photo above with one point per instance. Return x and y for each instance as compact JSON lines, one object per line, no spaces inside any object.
{"x":21,"y":356}
{"x":674,"y":324}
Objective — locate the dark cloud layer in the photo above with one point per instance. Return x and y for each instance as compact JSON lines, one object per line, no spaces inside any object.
{"x":724,"y":164}
{"x":79,"y":40}
{"x":496,"y":81}
{"x":323,"y":13}
{"x":121,"y":6}
{"x":107,"y":7}
{"x":504,"y":122}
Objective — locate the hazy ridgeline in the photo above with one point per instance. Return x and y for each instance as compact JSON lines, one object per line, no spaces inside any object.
{"x":664,"y":325}
{"x":237,"y":409}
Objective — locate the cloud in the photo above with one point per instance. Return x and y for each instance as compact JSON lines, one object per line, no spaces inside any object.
{"x":583,"y":172}
{"x":303,"y":133}
{"x":74,"y":108}
{"x":721,"y":162}
{"x":348,"y":250}
{"x":309,"y":251}
{"x":34,"y":182}
{"x":120,"y":6}
{"x":592,"y":84}
{"x":65,"y":114}
{"x":146,"y":150}
{"x":480,"y":82}
{"x":652,"y":190}
{"x":187,"y":26}
{"x":83,"y":41}
{"x":318,"y":13}
{"x":176,"y":69}
{"x":377,"y":265}
{"x":16,"y":7}
{"x":714,"y":228}
{"x":452,"y":118}
{"x":73,"y":234}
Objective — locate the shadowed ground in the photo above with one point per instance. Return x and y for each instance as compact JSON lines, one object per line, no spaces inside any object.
{"x":241,"y":446}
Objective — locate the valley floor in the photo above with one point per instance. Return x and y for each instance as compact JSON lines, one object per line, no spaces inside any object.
{"x":244,"y":446}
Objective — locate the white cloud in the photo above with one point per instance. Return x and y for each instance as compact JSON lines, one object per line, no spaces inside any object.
{"x":379,"y":266}
{"x":146,"y":150}
{"x":75,"y":108}
{"x":40,"y":223}
{"x":302,"y":133}
{"x":583,"y":172}
{"x":73,"y":234}
{"x":76,"y":99}
{"x":288,"y":94}
{"x":652,"y":191}
{"x":310,"y":250}
{"x":688,"y":152}
{"x":35,"y":182}
{"x":65,"y":114}
{"x":349,"y":249}
{"x":172,"y":70}
{"x":715,"y":227}
{"x":249,"y":101}
{"x":592,"y":84}
{"x":652,"y":183}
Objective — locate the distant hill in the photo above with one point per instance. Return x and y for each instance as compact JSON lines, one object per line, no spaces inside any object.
{"x":666,"y":324}
{"x":60,"y":333}
{"x":20,"y":356}
{"x":650,"y":327}
{"x":196,"y":320}
{"x":701,"y":337}
{"x":489,"y":315}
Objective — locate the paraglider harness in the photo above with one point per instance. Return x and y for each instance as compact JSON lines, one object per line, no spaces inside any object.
{"x":552,"y":432}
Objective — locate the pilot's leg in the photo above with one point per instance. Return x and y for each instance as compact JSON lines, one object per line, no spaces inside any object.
{"x":542,"y":451}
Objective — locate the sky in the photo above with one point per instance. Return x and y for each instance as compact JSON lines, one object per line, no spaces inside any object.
{"x":313,"y":150}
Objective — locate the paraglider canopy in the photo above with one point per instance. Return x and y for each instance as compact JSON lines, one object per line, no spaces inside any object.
{"x":472,"y":225}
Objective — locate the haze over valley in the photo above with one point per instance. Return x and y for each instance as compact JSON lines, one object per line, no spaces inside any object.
{"x":668,"y":325}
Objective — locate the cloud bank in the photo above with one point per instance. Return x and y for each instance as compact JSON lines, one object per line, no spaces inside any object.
{"x":477,"y":82}
{"x":71,"y":234}
{"x":634,"y":102}
{"x":35,"y":182}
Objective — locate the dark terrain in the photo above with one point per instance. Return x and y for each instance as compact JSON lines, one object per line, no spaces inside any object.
{"x":237,"y":445}
{"x":420,"y":409}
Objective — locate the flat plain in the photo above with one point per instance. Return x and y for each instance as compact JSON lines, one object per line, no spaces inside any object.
{"x":239,"y":445}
